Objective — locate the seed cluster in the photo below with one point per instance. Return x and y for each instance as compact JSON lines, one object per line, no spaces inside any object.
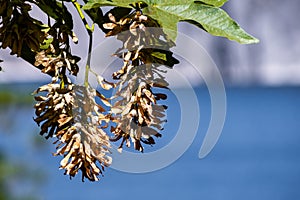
{"x":52,"y":61}
{"x":71,"y":115}
{"x":18,"y":30}
{"x":69,"y":112}
{"x":138,"y":115}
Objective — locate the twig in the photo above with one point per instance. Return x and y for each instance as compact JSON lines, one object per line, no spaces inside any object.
{"x":90,"y":30}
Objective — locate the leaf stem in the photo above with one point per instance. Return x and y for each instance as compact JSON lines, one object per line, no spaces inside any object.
{"x":90,"y":30}
{"x":78,"y":8}
{"x":88,"y":62}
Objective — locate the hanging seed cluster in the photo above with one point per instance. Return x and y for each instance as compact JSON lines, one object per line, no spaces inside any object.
{"x":18,"y":30}
{"x":52,"y":61}
{"x":55,"y":52}
{"x":84,"y":142}
{"x":69,"y":112}
{"x":138,"y":116}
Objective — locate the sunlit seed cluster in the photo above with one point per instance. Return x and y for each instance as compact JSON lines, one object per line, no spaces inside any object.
{"x":138,"y":116}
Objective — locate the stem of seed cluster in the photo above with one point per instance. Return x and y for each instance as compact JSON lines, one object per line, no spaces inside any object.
{"x":88,"y":62}
{"x":90,"y":30}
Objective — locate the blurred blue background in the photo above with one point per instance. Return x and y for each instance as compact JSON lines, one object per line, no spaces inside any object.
{"x":256,"y":157}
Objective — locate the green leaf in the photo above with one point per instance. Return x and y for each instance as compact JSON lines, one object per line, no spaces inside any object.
{"x":159,"y":55}
{"x":206,"y":14}
{"x":214,"y":20}
{"x":46,"y":43}
{"x":217,"y":3}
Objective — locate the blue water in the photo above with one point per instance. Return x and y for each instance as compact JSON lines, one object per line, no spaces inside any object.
{"x":257,"y":156}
